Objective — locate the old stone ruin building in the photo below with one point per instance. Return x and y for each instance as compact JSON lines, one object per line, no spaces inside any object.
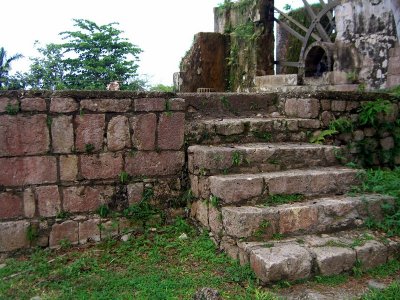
{"x":337,"y":45}
{"x":267,"y":170}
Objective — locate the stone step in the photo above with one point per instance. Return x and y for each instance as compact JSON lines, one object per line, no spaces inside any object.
{"x":240,"y":188}
{"x":310,"y":255}
{"x":258,"y":157}
{"x":320,"y":215}
{"x":250,"y":130}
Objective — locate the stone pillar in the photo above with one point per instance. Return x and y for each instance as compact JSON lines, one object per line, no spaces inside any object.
{"x":396,"y":13}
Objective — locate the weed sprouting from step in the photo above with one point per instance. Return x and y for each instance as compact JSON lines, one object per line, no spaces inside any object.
{"x":278,"y":236}
{"x":265,"y":136}
{"x":268,"y":245}
{"x":262,"y":228}
{"x":124,"y":177}
{"x":89,"y":148}
{"x":335,"y":243}
{"x":264,"y":295}
{"x":320,"y":138}
{"x":237,"y":158}
{"x":343,"y":125}
{"x":32,"y":233}
{"x":214,"y":201}
{"x":357,"y":270}
{"x":103,"y":211}
{"x":332,"y":280}
{"x":279,"y":199}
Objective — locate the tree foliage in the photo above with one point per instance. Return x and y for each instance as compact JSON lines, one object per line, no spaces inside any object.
{"x":5,"y":67}
{"x":89,"y":58}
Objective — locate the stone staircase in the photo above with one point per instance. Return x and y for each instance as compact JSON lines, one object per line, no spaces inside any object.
{"x":273,"y":200}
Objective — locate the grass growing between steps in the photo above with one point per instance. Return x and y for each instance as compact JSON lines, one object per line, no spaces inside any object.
{"x":384,"y":182}
{"x":390,"y":293}
{"x":156,"y":265}
{"x":279,"y":199}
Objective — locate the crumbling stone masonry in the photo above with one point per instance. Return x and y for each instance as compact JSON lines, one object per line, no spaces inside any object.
{"x":366,"y":31}
{"x":62,"y":156}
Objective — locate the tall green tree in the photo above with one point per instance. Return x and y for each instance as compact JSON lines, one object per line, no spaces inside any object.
{"x":5,"y":66}
{"x":89,"y":58}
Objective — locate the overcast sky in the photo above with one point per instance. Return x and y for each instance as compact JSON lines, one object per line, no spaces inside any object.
{"x":164,"y":29}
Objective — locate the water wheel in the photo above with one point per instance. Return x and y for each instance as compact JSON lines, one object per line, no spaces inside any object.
{"x":316,"y":55}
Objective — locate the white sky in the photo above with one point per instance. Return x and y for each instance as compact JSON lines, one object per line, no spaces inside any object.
{"x":164,"y":29}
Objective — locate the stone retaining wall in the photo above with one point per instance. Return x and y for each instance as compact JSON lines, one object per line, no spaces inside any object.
{"x":65,"y":154}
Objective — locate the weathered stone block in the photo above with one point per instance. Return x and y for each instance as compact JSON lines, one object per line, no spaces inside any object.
{"x":352,"y":105}
{"x":233,"y":189}
{"x":369,"y":132}
{"x":62,"y":133}
{"x":171,"y":129}
{"x":118,"y":136}
{"x":67,"y":231}
{"x":297,"y":218}
{"x":106,"y":105}
{"x":313,"y":124}
{"x":90,"y":131}
{"x":85,"y":198}
{"x":326,"y":118}
{"x":199,"y":211}
{"x":302,"y":108}
{"x":394,"y":66}
{"x":135,"y":192}
{"x":288,"y":261}
{"x":28,"y":170}
{"x":11,"y":205}
{"x":13,"y":235}
{"x":101,"y":166}
{"x":387,"y":143}
{"x":68,"y":167}
{"x":144,"y":131}
{"x":338,"y":105}
{"x":358,"y":135}
{"x":176,"y":104}
{"x":23,"y":135}
{"x":4,"y":102}
{"x":63,"y":105}
{"x":49,"y":202}
{"x":150,"y":104}
{"x":155,"y":164}
{"x":393,"y":80}
{"x":215,"y":220}
{"x":334,"y":260}
{"x":290,"y":184}
{"x":244,"y":221}
{"x":371,"y":254}
{"x":33,"y":104}
{"x":227,"y":127}
{"x":89,"y":231}
{"x":326,"y":105}
{"x":29,"y":203}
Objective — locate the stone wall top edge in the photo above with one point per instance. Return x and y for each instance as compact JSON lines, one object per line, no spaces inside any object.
{"x":333,"y":95}
{"x":81,"y":94}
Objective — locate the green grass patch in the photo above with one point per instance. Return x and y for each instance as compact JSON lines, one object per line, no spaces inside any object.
{"x":152,"y":265}
{"x":283,"y":199}
{"x":392,"y":267}
{"x":392,"y":292}
{"x":332,"y":280}
{"x":384,"y":182}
